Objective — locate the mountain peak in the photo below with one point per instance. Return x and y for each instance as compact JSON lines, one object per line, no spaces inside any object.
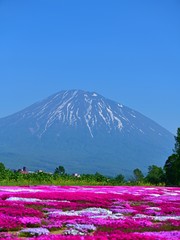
{"x":76,"y":107}
{"x":74,"y":125}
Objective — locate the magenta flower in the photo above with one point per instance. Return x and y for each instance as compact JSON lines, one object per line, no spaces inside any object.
{"x":74,"y":212}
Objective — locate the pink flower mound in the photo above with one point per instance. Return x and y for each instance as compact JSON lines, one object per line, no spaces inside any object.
{"x":132,"y":213}
{"x":9,"y":223}
{"x":30,"y":220}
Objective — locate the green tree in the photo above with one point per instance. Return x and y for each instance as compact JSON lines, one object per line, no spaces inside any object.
{"x":177,"y":143}
{"x":138,"y":175}
{"x":2,"y":167}
{"x":60,"y":171}
{"x":119,"y":179}
{"x":155,"y":175}
{"x":2,"y":171}
{"x":172,"y":165}
{"x":99,"y":177}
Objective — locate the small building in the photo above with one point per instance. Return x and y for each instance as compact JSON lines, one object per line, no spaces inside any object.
{"x":23,"y":170}
{"x":76,"y":175}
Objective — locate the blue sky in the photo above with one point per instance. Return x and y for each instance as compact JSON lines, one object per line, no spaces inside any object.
{"x":126,"y":50}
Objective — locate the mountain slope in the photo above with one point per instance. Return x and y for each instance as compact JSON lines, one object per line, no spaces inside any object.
{"x":84,"y":132}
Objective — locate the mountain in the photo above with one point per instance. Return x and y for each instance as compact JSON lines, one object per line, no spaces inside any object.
{"x":85,"y":133}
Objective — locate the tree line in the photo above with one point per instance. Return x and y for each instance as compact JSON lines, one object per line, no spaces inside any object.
{"x":169,"y":175}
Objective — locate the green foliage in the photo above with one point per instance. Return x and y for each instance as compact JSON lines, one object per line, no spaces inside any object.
{"x":8,"y":177}
{"x":59,"y":171}
{"x":138,"y":175}
{"x":177,"y":143}
{"x":2,"y":171}
{"x":155,"y":175}
{"x":172,"y":165}
{"x":2,"y":167}
{"x":119,"y":179}
{"x":99,"y":177}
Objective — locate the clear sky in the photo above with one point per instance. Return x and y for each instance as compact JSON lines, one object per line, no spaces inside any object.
{"x":126,"y":50}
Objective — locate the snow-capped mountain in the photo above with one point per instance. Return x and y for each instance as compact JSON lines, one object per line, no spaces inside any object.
{"x":84,"y":132}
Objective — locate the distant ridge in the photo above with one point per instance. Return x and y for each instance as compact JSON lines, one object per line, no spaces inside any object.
{"x":84,"y":132}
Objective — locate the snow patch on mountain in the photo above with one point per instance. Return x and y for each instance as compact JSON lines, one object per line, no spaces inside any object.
{"x":91,"y":111}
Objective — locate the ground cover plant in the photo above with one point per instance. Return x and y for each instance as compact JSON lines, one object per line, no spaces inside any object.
{"x":94,"y":212}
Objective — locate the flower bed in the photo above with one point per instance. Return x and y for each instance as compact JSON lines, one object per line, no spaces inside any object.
{"x":52,"y":212}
